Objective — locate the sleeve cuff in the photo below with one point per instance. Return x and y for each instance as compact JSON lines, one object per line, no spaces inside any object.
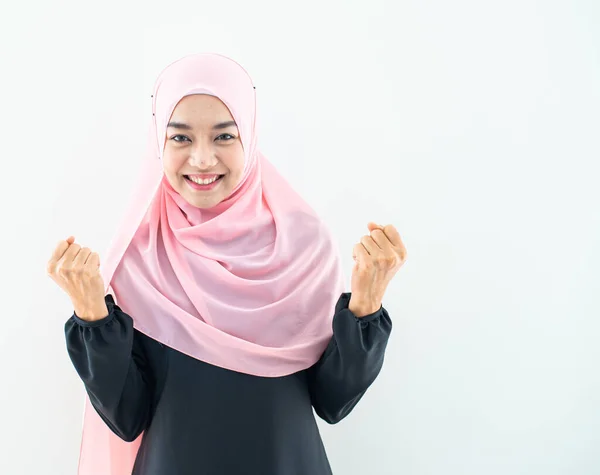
{"x":343,"y":303}
{"x":97,"y":323}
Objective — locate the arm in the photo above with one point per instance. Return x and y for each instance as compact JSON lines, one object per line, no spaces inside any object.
{"x":350,"y":363}
{"x":113,"y":367}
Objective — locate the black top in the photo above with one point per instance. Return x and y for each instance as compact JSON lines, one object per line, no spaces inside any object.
{"x":201,"y":419}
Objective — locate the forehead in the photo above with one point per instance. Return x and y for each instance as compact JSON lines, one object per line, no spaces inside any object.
{"x":201,"y":107}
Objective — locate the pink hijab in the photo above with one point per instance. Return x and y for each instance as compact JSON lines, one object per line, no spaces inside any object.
{"x":249,"y":285}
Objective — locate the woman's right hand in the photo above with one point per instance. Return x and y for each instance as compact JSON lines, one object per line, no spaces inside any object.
{"x":76,"y":270}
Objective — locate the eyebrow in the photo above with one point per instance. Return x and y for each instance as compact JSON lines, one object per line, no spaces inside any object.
{"x":221,"y":125}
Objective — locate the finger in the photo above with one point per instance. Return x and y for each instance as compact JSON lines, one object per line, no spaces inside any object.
{"x":372,"y":226}
{"x":382,"y":240}
{"x":81,"y":257}
{"x":359,"y":253}
{"x":371,"y":246}
{"x":396,"y":240}
{"x":57,"y":254}
{"x":393,"y":235}
{"x":69,"y":256}
{"x":93,"y":262}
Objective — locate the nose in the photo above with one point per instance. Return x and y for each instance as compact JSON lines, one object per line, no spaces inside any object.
{"x":203,"y":156}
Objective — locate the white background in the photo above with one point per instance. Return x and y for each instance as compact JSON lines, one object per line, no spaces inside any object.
{"x":472,"y":126}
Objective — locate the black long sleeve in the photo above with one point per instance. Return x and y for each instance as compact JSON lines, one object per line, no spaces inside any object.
{"x":351,"y":362}
{"x":114,"y":369}
{"x":196,"y":416}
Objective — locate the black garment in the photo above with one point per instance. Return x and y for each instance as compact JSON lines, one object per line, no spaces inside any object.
{"x":200,"y":419}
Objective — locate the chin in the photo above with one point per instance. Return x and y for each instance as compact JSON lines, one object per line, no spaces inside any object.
{"x":203,"y":203}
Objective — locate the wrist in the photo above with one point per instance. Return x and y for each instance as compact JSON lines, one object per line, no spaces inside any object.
{"x":362,"y":309}
{"x":91,"y":313}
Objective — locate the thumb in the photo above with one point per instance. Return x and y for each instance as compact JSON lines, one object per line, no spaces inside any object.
{"x":373,"y":226}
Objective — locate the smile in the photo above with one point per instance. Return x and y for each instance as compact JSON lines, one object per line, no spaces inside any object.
{"x":203,"y":184}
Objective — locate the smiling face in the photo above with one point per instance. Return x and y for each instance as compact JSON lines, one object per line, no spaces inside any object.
{"x":202,"y":143}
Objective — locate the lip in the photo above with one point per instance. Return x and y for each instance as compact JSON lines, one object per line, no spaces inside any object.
{"x":197,"y":187}
{"x":204,"y":176}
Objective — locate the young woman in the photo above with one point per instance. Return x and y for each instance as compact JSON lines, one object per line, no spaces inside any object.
{"x":218,"y":320}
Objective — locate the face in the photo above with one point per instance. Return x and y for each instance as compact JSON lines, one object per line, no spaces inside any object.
{"x":203,"y":143}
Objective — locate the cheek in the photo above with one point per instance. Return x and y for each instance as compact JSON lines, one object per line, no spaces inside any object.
{"x":173,"y":161}
{"x":234,"y":161}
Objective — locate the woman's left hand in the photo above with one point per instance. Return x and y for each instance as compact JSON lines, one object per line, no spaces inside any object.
{"x":377,"y":259}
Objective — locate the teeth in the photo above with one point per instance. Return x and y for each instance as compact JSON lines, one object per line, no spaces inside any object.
{"x":208,"y":181}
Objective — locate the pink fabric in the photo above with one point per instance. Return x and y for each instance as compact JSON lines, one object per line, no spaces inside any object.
{"x":249,"y":285}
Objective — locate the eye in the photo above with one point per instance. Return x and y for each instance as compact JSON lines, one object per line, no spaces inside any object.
{"x":176,"y":138}
{"x":225,"y":137}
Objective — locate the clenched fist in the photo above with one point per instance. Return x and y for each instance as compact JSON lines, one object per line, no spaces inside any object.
{"x":76,"y":270}
{"x":377,"y":258}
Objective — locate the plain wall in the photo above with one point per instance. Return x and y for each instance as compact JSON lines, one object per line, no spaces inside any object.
{"x":473,"y":127}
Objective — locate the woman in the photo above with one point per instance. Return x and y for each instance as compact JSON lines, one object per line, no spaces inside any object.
{"x":218,"y":320}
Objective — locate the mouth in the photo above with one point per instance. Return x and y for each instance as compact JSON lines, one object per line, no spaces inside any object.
{"x":205,"y":184}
